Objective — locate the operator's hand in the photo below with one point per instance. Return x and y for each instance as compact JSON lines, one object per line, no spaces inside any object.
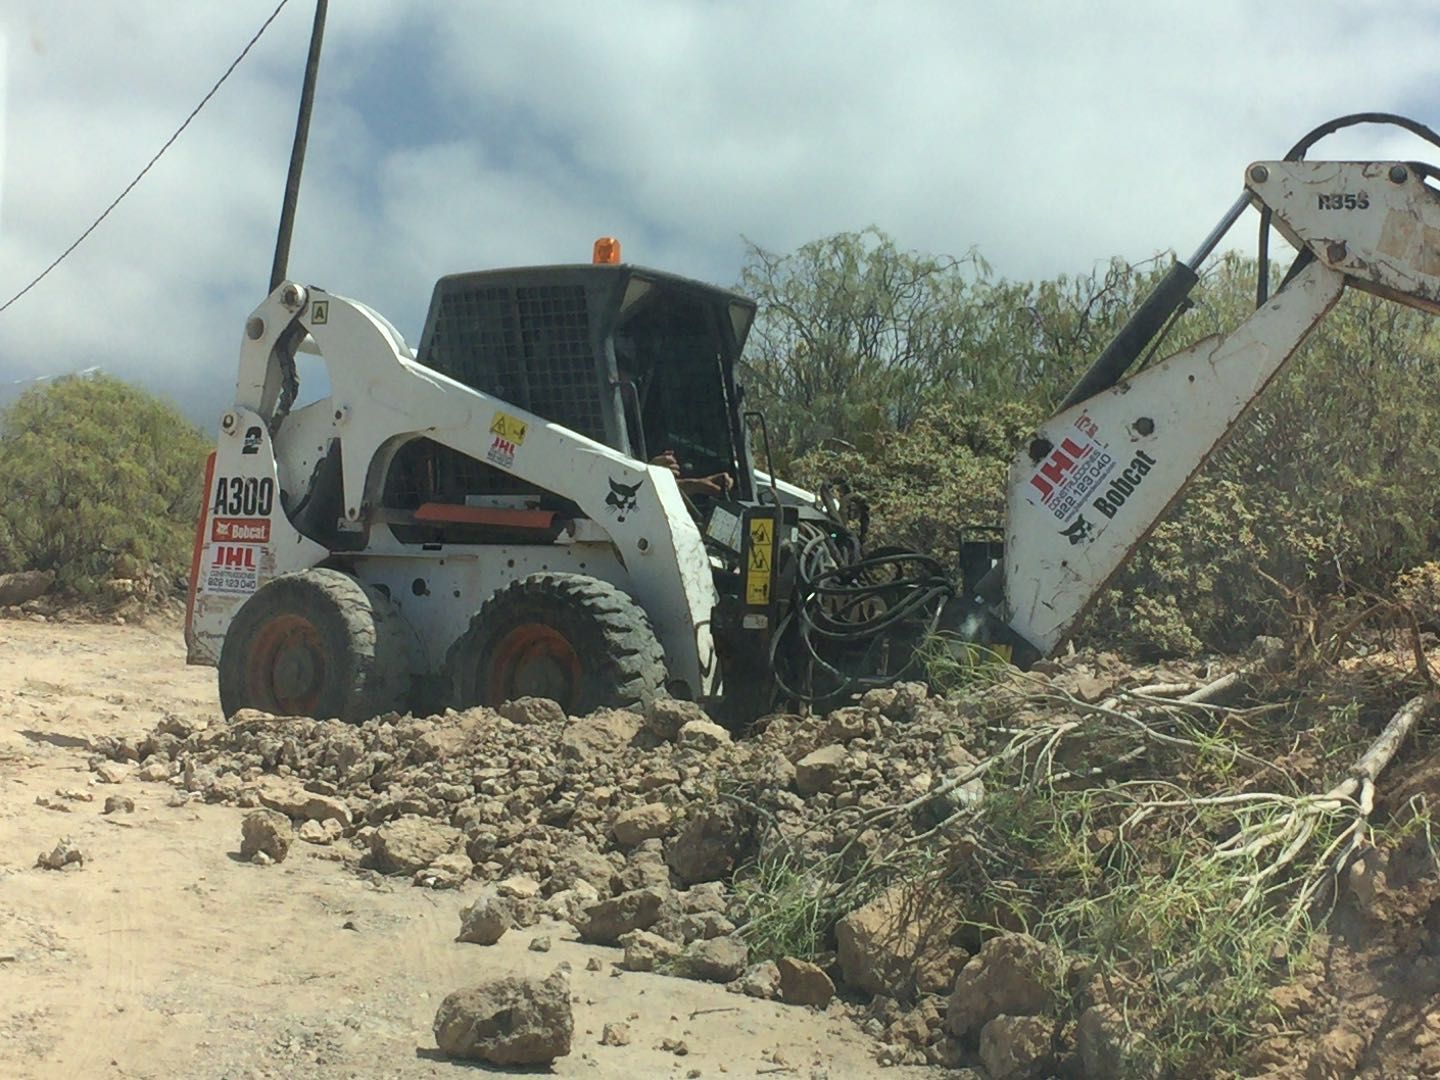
{"x":714,"y":484}
{"x":667,"y":460}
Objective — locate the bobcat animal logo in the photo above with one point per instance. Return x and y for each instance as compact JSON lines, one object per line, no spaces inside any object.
{"x":1080,"y":532}
{"x":621,"y":499}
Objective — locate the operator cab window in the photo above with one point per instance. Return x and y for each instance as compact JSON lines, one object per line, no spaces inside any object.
{"x":670,"y":349}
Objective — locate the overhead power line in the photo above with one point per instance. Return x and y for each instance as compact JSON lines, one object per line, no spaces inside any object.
{"x":149,"y":164}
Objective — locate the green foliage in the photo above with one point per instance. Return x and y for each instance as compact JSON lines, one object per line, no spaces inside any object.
{"x":1419,"y":589}
{"x":788,"y":910}
{"x":855,"y":336}
{"x":1179,"y":878}
{"x":924,"y":484}
{"x":1167,"y":908}
{"x":912,"y":381}
{"x":98,"y":479}
{"x":856,"y":340}
{"x":954,"y":665}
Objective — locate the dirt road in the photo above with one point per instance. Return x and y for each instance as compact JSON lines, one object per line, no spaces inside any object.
{"x":166,"y":956}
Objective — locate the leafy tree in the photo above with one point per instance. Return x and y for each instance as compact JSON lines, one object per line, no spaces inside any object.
{"x":854,"y":336}
{"x":855,"y":339}
{"x":925,"y":485}
{"x":1331,"y":483}
{"x":98,"y":479}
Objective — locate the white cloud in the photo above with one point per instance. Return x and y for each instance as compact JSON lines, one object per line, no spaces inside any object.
{"x":461,"y":136}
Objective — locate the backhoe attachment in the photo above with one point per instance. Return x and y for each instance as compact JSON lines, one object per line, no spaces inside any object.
{"x":1100,"y":474}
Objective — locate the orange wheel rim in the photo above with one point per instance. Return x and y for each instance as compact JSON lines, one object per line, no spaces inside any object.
{"x":534,"y":660}
{"x":287,"y":668}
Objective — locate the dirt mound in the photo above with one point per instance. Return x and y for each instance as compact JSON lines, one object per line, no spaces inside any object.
{"x":601,"y":800}
{"x":621,"y":823}
{"x":896,"y":850}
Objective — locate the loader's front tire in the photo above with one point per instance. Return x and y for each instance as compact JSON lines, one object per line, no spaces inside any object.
{"x":315,"y":643}
{"x":572,"y":638}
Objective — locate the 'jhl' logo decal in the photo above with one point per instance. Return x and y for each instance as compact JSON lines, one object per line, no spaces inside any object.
{"x":1053,"y":473}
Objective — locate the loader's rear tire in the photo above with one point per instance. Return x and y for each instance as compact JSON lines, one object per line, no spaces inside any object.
{"x":315,"y":643}
{"x":574,"y":639}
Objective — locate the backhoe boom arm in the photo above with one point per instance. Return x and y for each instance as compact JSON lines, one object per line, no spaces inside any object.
{"x":1104,"y":470}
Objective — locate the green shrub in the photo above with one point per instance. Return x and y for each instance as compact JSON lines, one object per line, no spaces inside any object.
{"x":924,"y":484}
{"x":98,"y":479}
{"x":1331,"y":484}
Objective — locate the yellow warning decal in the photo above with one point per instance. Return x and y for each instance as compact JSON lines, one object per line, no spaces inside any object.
{"x":762,"y":539}
{"x":762,"y":558}
{"x":510,"y":428}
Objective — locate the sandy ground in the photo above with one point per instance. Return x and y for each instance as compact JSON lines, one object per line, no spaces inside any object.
{"x":165,"y":956}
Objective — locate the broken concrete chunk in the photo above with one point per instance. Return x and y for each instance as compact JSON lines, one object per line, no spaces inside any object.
{"x":820,"y":770}
{"x":760,"y":980}
{"x":321,"y":832}
{"x":112,"y":772}
{"x":449,"y":871}
{"x":1011,"y":974}
{"x":615,"y":1035}
{"x":1018,"y":1047}
{"x":645,"y":951}
{"x":804,"y":983}
{"x":720,"y":960}
{"x":885,"y":946}
{"x":709,"y":845}
{"x":666,"y":716}
{"x":641,"y":823}
{"x":605,"y":922}
{"x":409,"y":844}
{"x":702,"y":735}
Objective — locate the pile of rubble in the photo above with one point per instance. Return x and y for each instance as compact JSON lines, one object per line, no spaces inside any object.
{"x":632,"y":828}
{"x":135,"y":589}
{"x":606,"y":801}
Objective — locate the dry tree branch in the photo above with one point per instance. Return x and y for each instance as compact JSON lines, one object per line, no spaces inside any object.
{"x":1281,"y":850}
{"x":1379,"y":754}
{"x":1422,"y":662}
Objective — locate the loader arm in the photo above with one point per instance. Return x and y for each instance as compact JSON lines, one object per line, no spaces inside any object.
{"x":1101,"y":473}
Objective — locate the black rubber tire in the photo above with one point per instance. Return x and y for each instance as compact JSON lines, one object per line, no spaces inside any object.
{"x":618,"y":660}
{"x":355,"y":651}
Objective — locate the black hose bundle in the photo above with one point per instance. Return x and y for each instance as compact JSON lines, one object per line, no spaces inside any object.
{"x":856,"y":621}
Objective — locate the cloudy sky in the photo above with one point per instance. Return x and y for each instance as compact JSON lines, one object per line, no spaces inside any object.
{"x":467,"y":135}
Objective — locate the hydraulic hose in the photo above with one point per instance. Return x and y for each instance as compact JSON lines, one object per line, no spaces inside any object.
{"x":851,"y":616}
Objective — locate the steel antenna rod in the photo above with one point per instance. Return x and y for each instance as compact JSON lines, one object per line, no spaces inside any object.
{"x":297,"y":152}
